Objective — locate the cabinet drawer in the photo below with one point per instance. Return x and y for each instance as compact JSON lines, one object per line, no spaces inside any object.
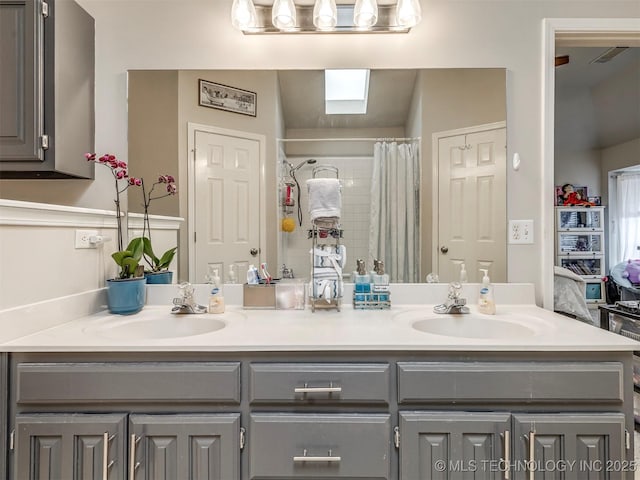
{"x":510,"y":382}
{"x":306,"y":383}
{"x":336,"y":446}
{"x":84,"y":383}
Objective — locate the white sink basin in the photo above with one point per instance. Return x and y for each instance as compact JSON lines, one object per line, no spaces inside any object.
{"x":159,"y":325}
{"x":475,"y":326}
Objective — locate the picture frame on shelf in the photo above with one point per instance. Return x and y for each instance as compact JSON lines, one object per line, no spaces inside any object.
{"x":225,"y":97}
{"x":596,"y":200}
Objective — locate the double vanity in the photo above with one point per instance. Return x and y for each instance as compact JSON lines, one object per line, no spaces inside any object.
{"x":288,"y":394}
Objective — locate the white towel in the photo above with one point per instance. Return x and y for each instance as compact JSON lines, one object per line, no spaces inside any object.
{"x":325,"y":197}
{"x":323,"y":255}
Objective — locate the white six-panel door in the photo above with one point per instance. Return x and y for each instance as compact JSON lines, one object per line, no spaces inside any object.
{"x":472,"y":204}
{"x":227,"y":203}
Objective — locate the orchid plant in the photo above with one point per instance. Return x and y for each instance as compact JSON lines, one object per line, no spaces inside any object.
{"x":127,"y":259}
{"x":162,"y":263}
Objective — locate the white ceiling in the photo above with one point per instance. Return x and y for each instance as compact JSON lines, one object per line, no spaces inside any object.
{"x":302,"y":94}
{"x":612,"y":90}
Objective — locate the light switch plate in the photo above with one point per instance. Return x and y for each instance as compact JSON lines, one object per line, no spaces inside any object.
{"x":520,"y":232}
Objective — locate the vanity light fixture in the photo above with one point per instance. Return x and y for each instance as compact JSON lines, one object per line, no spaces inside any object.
{"x":243,"y":14}
{"x":283,"y":14}
{"x":409,"y":13}
{"x":325,"y":16}
{"x":365,"y":13}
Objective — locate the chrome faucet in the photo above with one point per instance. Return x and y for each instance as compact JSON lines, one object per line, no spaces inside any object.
{"x":454,"y":304}
{"x":287,"y":272}
{"x":185,"y":302}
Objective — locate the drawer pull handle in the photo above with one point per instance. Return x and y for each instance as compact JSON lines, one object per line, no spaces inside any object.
{"x":307,"y":458}
{"x":307,"y":389}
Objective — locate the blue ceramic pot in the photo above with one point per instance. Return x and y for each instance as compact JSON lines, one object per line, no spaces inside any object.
{"x":159,"y":277}
{"x":126,"y":296}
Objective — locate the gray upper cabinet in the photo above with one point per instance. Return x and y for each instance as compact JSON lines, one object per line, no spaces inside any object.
{"x":46,"y":89}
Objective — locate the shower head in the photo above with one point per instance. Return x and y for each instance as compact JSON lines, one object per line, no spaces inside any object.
{"x":310,"y":161}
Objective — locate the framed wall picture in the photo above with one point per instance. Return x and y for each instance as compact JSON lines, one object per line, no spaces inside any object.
{"x":224,"y":97}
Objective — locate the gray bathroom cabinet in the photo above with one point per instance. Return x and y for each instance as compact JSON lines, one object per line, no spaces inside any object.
{"x":46,"y":89}
{"x":338,"y":415}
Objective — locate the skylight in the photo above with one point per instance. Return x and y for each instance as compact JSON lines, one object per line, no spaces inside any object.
{"x":346,"y":91}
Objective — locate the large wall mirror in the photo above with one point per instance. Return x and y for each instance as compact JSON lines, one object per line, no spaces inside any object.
{"x":423,"y":171}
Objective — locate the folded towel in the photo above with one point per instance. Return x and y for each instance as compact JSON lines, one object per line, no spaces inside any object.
{"x":326,"y":289}
{"x":325,"y":197}
{"x":324,"y":255}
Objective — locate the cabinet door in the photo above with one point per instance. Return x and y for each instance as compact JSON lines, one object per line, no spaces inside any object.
{"x":70,"y":446}
{"x":453,"y":445}
{"x":570,"y":447}
{"x":20,"y":89}
{"x":186,"y":447}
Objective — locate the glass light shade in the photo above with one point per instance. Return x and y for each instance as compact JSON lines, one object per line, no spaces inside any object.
{"x":365,"y":13}
{"x":243,"y":14}
{"x":408,"y":13}
{"x":325,"y":14}
{"x":283,"y":14}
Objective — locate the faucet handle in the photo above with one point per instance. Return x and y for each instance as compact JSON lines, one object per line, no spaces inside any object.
{"x":454,"y":290}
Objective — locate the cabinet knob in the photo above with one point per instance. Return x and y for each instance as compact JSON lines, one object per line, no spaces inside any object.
{"x":444,"y":250}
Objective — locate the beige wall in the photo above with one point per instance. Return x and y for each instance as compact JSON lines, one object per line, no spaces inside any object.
{"x":153,"y":136}
{"x":453,"y":99}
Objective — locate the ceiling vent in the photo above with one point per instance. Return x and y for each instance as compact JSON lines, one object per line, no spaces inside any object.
{"x":608,"y":55}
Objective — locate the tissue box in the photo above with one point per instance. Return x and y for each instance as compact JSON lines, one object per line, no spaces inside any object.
{"x":281,"y":296}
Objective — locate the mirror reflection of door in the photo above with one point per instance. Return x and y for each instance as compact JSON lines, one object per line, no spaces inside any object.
{"x":227,"y":219}
{"x":471,"y":202}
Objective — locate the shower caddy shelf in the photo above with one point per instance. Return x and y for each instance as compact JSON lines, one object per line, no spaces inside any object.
{"x":329,"y":232}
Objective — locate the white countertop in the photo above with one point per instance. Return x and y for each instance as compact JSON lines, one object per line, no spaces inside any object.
{"x":297,"y":330}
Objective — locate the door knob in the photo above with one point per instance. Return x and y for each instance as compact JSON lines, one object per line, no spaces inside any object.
{"x":444,"y":250}
{"x":253,"y":252}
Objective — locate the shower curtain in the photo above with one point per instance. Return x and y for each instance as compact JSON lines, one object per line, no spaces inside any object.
{"x":394,"y":234}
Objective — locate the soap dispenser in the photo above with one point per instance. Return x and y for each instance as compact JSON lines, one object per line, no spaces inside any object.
{"x":216,"y":298}
{"x":362,"y":280}
{"x":486,"y":303}
{"x":381,"y":282}
{"x":463,"y":274}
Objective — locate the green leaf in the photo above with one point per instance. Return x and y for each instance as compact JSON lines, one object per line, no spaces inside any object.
{"x":167,"y":257}
{"x":119,"y":257}
{"x":148,"y":251}
{"x":129,"y":266}
{"x":136,"y":247}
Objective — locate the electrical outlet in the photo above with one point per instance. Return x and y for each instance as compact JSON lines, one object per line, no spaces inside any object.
{"x":82,"y":238}
{"x":520,"y":231}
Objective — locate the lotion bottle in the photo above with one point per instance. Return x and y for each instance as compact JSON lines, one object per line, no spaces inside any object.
{"x":486,"y":303}
{"x":216,"y":298}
